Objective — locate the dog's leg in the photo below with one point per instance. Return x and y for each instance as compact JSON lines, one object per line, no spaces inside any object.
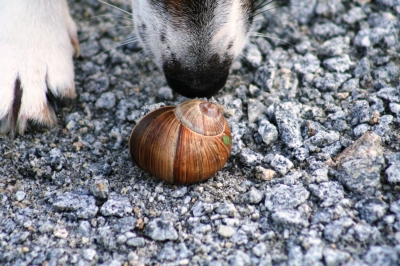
{"x":37,"y":42}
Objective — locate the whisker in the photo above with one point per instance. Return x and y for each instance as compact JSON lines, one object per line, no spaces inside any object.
{"x":256,"y":34}
{"x":117,"y":28}
{"x":120,"y":9}
{"x":132,"y":40}
{"x":263,"y":4}
{"x":269,"y":9}
{"x":154,"y":67}
{"x":107,"y":15}
{"x":256,"y":44}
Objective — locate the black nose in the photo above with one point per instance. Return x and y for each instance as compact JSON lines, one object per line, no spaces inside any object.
{"x":203,"y":80}
{"x":197,"y":86}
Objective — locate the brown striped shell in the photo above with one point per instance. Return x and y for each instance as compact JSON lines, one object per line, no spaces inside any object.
{"x":184,"y":144}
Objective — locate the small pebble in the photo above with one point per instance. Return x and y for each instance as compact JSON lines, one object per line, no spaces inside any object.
{"x":20,"y":195}
{"x":226,"y":231}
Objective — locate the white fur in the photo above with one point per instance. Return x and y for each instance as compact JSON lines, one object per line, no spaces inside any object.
{"x":37,"y":40}
{"x":233,"y":28}
{"x":228,"y":23}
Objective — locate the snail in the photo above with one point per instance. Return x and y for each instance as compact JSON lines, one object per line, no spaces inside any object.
{"x":184,"y":144}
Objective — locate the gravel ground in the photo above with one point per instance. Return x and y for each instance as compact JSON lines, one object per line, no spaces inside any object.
{"x":314,"y":175}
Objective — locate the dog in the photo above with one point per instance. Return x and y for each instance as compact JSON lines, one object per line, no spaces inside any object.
{"x":193,"y":41}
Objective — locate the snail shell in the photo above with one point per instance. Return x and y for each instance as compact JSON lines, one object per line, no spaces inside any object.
{"x":184,"y":144}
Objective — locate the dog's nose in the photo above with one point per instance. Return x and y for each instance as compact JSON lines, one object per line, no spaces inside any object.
{"x":197,"y":86}
{"x":193,"y":84}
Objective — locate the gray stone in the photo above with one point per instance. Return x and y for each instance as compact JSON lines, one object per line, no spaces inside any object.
{"x":288,"y":124}
{"x":330,"y":193}
{"x":395,"y":108}
{"x":89,"y":254}
{"x":116,"y":205}
{"x":292,"y":178}
{"x":354,"y":15}
{"x":124,"y":224}
{"x":167,"y":253}
{"x":84,"y":228}
{"x":46,"y":227}
{"x":339,"y":64}
{"x":323,"y":216}
{"x":363,"y":232}
{"x":254,"y":196}
{"x":267,"y":131}
{"x":334,"y":257}
{"x":383,"y":126}
{"x":334,"y":47}
{"x":106,"y":101}
{"x":97,"y":83}
{"x":99,"y":188}
{"x":322,"y":139}
{"x":359,"y":165}
{"x":136,"y":242}
{"x":200,"y":208}
{"x":265,"y":75}
{"x":388,"y":73}
{"x":350,"y":85}
{"x":253,"y":55}
{"x":363,"y":69}
{"x":369,"y":37}
{"x":382,"y":255}
{"x":89,"y":48}
{"x":56,"y":159}
{"x":300,"y":153}
{"x":20,"y":195}
{"x":327,"y":30}
{"x":305,"y":11}
{"x":165,"y":93}
{"x":82,"y":206}
{"x":320,"y":175}
{"x":226,"y":231}
{"x":331,"y":81}
{"x":227,"y":209}
{"x":328,"y":8}
{"x":309,"y":63}
{"x":254,"y":109}
{"x":333,"y":149}
{"x":285,"y":84}
{"x":179,"y":192}
{"x":237,"y":130}
{"x":281,"y":164}
{"x":395,"y":207}
{"x":285,"y":197}
{"x":250,"y":158}
{"x":289,"y":217}
{"x":371,"y":209}
{"x":361,"y":129}
{"x":334,"y":230}
{"x":239,"y":258}
{"x":19,"y":238}
{"x":161,"y":230}
{"x":263,"y":173}
{"x":151,"y":107}
{"x":295,"y":256}
{"x":260,"y":249}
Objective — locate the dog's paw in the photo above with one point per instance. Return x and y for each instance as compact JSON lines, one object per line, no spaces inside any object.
{"x":37,"y":43}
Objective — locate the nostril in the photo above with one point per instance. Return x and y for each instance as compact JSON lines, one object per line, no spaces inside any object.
{"x":191,"y":86}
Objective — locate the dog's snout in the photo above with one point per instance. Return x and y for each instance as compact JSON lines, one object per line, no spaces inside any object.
{"x":203,"y":85}
{"x":191,"y":83}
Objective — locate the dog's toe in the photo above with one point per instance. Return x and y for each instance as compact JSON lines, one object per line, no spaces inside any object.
{"x":35,"y":62}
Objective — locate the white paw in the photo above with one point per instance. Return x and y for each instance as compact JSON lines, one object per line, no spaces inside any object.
{"x":37,"y":41}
